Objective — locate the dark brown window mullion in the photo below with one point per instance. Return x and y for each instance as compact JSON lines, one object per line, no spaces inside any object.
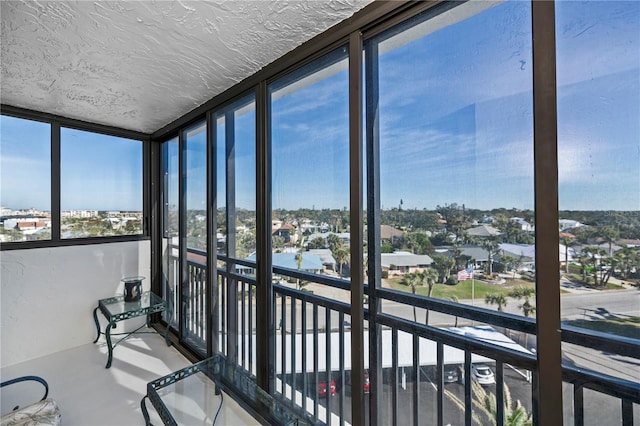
{"x":55,"y":182}
{"x":549,"y":377}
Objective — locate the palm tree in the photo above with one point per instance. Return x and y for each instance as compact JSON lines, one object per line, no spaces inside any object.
{"x":342,"y":256}
{"x":486,"y":404}
{"x":299,"y":260}
{"x":584,"y":259}
{"x":491,"y":246}
{"x":496,"y":299}
{"x":628,"y":258}
{"x":411,"y":280}
{"x":524,"y":293}
{"x":430,"y":276}
{"x":334,"y":242}
{"x":454,"y":299}
{"x":299,"y":264}
{"x":509,"y":262}
{"x":609,"y":234}
{"x":567,"y":241}
{"x":593,"y":255}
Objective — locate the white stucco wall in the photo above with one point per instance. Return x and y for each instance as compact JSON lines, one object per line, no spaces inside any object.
{"x":47,"y":295}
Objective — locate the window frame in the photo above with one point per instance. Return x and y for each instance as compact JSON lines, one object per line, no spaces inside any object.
{"x":356,"y":31}
{"x":57,"y":123}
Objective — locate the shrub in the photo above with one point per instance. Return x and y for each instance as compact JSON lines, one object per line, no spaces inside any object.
{"x":452,"y":280}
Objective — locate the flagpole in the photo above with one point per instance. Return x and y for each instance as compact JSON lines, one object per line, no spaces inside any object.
{"x":473,"y":289}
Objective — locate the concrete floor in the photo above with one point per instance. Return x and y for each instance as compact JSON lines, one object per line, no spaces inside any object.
{"x":89,"y":394}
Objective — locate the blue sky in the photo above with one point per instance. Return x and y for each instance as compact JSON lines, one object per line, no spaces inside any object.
{"x":98,"y":172}
{"x":25,"y":163}
{"x":456,"y":125}
{"x":456,"y":120}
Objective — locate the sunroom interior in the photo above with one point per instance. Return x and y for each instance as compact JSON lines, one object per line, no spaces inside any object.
{"x":248,"y":159}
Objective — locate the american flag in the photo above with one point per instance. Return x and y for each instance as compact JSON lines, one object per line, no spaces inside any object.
{"x":465,"y":274}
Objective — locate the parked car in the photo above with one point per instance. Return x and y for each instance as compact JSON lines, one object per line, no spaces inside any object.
{"x":482,"y":374}
{"x":451,"y":374}
{"x":319,"y":384}
{"x":322,"y":389}
{"x":366,"y":383}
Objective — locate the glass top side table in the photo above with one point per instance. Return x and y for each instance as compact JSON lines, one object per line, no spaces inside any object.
{"x":187,"y":396}
{"x":115,"y":309}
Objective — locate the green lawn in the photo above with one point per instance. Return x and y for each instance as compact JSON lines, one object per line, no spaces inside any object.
{"x":627,"y":327}
{"x":462,"y":290}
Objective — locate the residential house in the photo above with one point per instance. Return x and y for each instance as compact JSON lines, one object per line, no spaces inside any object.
{"x":223,"y":105}
{"x":404,"y":262}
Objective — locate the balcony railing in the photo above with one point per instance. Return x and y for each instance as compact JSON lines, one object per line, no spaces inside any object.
{"x":408,"y":359}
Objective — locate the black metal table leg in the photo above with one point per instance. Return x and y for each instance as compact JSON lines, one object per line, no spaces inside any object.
{"x":145,"y":413}
{"x":95,"y":318}
{"x":108,"y":335}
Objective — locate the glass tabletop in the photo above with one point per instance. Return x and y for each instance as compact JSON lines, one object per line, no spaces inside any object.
{"x":117,"y":305}
{"x":188,"y":396}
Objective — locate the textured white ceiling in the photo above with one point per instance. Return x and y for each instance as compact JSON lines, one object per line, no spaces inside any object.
{"x":141,"y":64}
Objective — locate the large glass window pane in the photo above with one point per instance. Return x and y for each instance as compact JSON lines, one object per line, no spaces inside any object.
{"x":196,"y":186}
{"x":100,"y":185}
{"x":194,"y":288}
{"x":456,"y":154}
{"x":310,"y":162}
{"x":25,"y":180}
{"x":235,"y":147}
{"x":450,"y":111}
{"x":236,"y":179}
{"x":309,"y":132}
{"x":598,"y":91}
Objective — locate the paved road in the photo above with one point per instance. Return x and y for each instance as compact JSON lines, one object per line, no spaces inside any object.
{"x":585,"y":305}
{"x":600,"y":305}
{"x":591,"y":306}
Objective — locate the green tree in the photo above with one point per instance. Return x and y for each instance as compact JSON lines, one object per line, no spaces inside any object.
{"x":299,"y":265}
{"x":334,"y":242}
{"x":277,"y":242}
{"x":454,"y":299}
{"x":485,"y":403}
{"x":514,"y":415}
{"x":567,"y":241}
{"x":609,"y":234}
{"x":491,"y":245}
{"x":419,"y":243}
{"x":524,"y":293}
{"x":509,"y":263}
{"x":298,"y":258}
{"x":411,"y":280}
{"x":428,"y":276}
{"x":584,"y":259}
{"x":317,"y":243}
{"x":443,"y":265}
{"x":628,"y":260}
{"x":593,"y":255}
{"x":496,"y":299}
{"x":456,"y":218}
{"x":341,"y":255}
